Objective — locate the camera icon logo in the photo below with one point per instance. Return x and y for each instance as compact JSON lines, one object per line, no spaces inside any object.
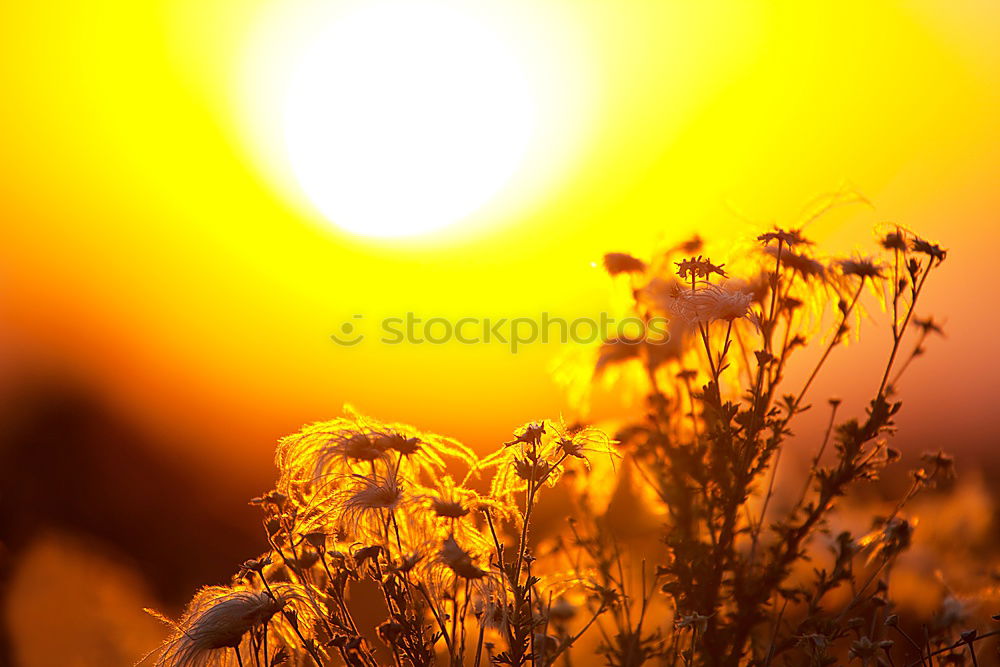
{"x":348,"y":336}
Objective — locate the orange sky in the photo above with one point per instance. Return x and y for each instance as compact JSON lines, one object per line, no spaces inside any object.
{"x":154,"y":246}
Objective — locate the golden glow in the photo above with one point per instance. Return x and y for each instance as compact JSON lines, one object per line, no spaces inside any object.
{"x":404,"y":117}
{"x":158,"y":247}
{"x":394,"y":118}
{"x":150,"y":201}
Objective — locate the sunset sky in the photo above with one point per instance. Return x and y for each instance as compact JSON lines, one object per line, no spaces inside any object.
{"x":161,"y":249}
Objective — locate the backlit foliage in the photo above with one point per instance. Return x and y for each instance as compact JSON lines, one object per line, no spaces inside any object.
{"x":673,"y":547}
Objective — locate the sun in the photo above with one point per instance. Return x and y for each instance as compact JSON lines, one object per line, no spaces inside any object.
{"x":405,"y":117}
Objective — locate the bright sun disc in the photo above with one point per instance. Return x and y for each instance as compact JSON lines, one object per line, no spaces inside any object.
{"x":406,"y":117}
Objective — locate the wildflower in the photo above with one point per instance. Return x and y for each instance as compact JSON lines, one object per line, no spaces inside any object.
{"x":531,"y":434}
{"x":894,"y":241}
{"x":890,"y":539}
{"x":697,"y":267}
{"x":620,"y":262}
{"x":491,"y":612}
{"x":584,"y":441}
{"x":218,"y":617}
{"x":360,"y":447}
{"x":351,"y":444}
{"x":689,"y":247}
{"x":932,"y":249}
{"x":459,"y":560}
{"x":571,"y":447}
{"x":272,"y":498}
{"x":360,"y":506}
{"x":790,"y":238}
{"x":863,"y":268}
{"x":398,"y":442}
{"x":527,"y":469}
{"x":608,"y":597}
{"x":254,"y":565}
{"x":806,"y":266}
{"x":928,"y":326}
{"x":710,"y":303}
{"x":374,"y":494}
{"x":943,"y":464}
{"x":763,"y":357}
{"x":450,"y":509}
{"x":866,"y":650}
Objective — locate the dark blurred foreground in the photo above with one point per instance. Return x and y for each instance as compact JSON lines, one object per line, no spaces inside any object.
{"x":97,"y":519}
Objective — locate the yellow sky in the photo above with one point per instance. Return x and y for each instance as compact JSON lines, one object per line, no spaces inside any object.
{"x":154,"y":243}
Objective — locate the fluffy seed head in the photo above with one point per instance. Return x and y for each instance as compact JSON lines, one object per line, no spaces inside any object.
{"x":709,"y":303}
{"x":218,"y":618}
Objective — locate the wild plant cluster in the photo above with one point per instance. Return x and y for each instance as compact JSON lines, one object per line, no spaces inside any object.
{"x":443,"y":544}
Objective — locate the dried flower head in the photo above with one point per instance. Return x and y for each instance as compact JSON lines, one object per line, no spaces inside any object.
{"x":254,"y":565}
{"x":529,"y":434}
{"x":380,"y":493}
{"x":690,"y":246}
{"x":894,"y":241}
{"x":397,"y":442}
{"x":709,"y":303}
{"x":806,"y":266}
{"x":358,"y":505}
{"x":931,"y":249}
{"x":889,"y":539}
{"x":620,"y":262}
{"x":449,"y":509}
{"x":696,"y":267}
{"x":792,"y":237}
{"x":384,"y":503}
{"x":360,"y":447}
{"x":928,"y":326}
{"x":863,"y":268}
{"x":580,"y":442}
{"x":219,"y":617}
{"x":942,"y":465}
{"x":458,"y":560}
{"x":528,"y":469}
{"x":491,"y":612}
{"x":271,"y":498}
{"x":866,"y":650}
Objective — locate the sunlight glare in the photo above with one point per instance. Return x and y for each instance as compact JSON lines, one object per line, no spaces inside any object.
{"x":403,"y":118}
